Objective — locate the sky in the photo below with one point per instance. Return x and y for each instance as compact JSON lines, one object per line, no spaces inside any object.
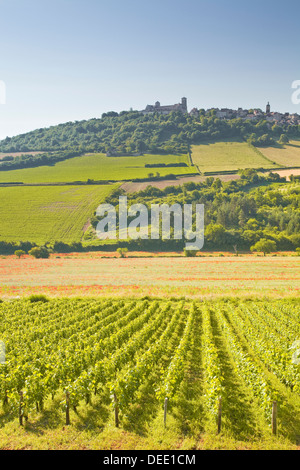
{"x":68,"y":60}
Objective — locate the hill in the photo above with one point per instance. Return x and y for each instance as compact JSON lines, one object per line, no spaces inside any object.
{"x":115,"y":148}
{"x":131,"y":132}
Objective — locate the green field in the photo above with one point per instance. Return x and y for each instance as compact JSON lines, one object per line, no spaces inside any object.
{"x":119,"y":359}
{"x":49,"y":213}
{"x":98,"y":167}
{"x":285,"y":155}
{"x":228,"y":156}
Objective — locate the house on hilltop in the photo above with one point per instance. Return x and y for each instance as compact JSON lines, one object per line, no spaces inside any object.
{"x":157,"y":108}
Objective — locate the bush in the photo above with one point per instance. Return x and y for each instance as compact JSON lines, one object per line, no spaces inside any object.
{"x":264,"y":245}
{"x":19,"y":253}
{"x":38,"y":298}
{"x":190,"y":253}
{"x":39,"y":252}
{"x":122,"y":252}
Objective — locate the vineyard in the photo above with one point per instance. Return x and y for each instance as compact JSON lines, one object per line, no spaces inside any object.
{"x":217,"y":365}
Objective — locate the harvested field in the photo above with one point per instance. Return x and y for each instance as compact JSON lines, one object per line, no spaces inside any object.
{"x":131,"y":187}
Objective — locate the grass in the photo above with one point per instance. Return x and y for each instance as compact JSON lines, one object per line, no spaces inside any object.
{"x":285,"y":155}
{"x":46,"y":430}
{"x":41,"y":214}
{"x":98,"y":167}
{"x":105,"y":274}
{"x":228,"y":156}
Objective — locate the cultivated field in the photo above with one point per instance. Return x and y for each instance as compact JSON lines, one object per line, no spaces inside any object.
{"x":287,"y":173}
{"x":285,"y":155}
{"x":228,"y":156}
{"x":105,"y":274}
{"x":94,"y":373}
{"x":132,"y":186}
{"x":49,"y":213}
{"x":98,"y":167}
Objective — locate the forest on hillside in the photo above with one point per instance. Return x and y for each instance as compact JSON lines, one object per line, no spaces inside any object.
{"x":237,"y":214}
{"x":130,"y":132}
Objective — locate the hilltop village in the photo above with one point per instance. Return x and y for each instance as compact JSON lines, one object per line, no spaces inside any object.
{"x":226,"y":113}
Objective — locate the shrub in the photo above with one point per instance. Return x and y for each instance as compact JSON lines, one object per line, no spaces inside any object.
{"x":20,"y":253}
{"x":190,"y":253}
{"x":264,"y":245}
{"x":38,"y":298}
{"x":39,"y":252}
{"x":122,"y":252}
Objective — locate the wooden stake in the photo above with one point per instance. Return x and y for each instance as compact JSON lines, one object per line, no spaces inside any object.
{"x":67,"y":408}
{"x":274,"y":417}
{"x":165,"y":410}
{"x":219,"y":415}
{"x":116,"y":411}
{"x":21,"y":409}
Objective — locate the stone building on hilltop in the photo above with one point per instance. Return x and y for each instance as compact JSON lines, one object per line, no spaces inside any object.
{"x":157,"y":108}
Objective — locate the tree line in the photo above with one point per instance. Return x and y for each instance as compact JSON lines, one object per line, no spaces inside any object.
{"x":131,"y":132}
{"x":261,"y":210}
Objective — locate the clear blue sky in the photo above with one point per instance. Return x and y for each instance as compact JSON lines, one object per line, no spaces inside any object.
{"x":66,"y":60}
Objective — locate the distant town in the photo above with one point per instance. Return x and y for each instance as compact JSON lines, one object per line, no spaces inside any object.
{"x":226,"y":113}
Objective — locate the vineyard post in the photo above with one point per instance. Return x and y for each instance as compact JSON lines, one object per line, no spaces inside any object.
{"x":274,"y":417}
{"x":21,"y":409}
{"x":219,"y":415}
{"x":116,"y":410}
{"x":165,"y":410}
{"x":67,"y":407}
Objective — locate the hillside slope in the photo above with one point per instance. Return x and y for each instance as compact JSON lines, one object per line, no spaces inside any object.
{"x":130,"y":132}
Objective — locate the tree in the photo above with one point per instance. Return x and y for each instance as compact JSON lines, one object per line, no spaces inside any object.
{"x":39,"y":252}
{"x":215,"y":233}
{"x":284,"y":139}
{"x":217,"y":184}
{"x":19,"y":253}
{"x":190,"y":253}
{"x":264,"y":245}
{"x":122,"y":252}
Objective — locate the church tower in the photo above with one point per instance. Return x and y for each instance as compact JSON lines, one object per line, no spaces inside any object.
{"x":268,"y":108}
{"x":184,"y":104}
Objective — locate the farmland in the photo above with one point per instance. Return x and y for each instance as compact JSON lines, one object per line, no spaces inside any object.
{"x":41,"y":214}
{"x":98,"y":167}
{"x":110,"y":364}
{"x":285,"y":154}
{"x":228,"y":156}
{"x":209,"y":276}
{"x":95,"y":343}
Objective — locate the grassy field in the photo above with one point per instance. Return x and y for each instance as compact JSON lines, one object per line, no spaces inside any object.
{"x":286,"y":155}
{"x":98,"y":167}
{"x":101,"y":274}
{"x":41,"y":214}
{"x":227,"y":156}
